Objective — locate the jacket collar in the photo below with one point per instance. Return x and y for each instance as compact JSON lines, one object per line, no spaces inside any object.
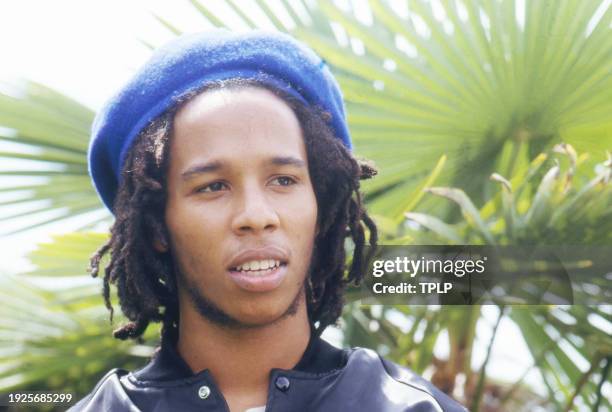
{"x":319,"y":358}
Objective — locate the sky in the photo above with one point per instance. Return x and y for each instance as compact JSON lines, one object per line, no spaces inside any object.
{"x":88,"y":49}
{"x":85,"y":49}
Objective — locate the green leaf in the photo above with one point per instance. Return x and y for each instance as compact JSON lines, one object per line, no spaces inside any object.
{"x":470,"y":213}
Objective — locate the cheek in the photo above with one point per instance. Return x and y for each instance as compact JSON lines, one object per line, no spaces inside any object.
{"x":303,"y":220}
{"x":311,"y":214}
{"x":193,"y":233}
{"x":188,"y":218}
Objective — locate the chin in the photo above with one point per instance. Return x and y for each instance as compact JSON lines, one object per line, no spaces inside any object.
{"x":262,"y":314}
{"x":246,"y":311}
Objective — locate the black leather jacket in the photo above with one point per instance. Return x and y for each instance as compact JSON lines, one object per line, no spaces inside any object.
{"x":326,"y":379}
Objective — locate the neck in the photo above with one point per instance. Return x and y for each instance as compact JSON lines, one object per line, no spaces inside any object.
{"x":240,"y":360}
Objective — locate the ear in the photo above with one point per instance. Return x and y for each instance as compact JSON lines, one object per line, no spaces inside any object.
{"x":160,"y":242}
{"x":160,"y":245}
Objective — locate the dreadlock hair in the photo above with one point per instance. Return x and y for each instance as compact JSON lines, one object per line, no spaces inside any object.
{"x":145,"y":278}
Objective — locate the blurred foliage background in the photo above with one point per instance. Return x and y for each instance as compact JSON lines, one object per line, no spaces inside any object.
{"x":489,"y":121}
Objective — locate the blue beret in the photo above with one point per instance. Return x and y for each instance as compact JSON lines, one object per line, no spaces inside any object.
{"x":188,"y":63}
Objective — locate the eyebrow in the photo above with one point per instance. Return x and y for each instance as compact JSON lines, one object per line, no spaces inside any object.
{"x":217,"y":165}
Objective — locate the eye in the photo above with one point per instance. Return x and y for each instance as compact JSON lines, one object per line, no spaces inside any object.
{"x":213,"y":187}
{"x":285,"y":181}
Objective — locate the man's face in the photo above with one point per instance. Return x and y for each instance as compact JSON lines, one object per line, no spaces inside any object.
{"x":239,"y":193}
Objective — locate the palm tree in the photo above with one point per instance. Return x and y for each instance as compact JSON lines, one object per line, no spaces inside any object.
{"x":486,"y":84}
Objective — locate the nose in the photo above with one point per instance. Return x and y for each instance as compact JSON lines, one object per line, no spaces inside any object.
{"x":254,"y":213}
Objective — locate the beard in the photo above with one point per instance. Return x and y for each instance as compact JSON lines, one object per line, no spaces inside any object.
{"x":210,"y":311}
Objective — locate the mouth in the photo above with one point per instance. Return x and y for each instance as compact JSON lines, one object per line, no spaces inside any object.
{"x":258,"y":267}
{"x":259,"y":276}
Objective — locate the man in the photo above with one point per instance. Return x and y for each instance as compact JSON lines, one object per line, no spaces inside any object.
{"x":227,"y":163}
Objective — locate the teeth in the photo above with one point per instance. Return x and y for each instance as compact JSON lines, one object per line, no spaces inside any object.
{"x":256,"y":265}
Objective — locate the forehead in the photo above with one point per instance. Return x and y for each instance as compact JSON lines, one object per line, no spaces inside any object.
{"x":236,"y":121}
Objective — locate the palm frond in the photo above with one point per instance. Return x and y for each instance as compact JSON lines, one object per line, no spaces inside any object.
{"x":47,"y":134}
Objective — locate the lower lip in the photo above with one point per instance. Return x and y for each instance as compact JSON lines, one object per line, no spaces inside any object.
{"x":261,"y":283}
